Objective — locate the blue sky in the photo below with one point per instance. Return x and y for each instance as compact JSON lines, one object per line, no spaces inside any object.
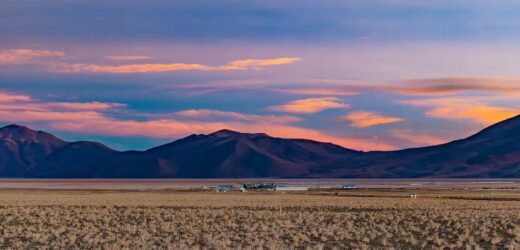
{"x":369,"y":75}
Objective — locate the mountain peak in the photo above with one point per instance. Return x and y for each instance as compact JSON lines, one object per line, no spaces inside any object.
{"x":230,"y":133}
{"x":21,"y":133}
{"x":225,"y":133}
{"x":14,"y":126}
{"x":14,"y":131}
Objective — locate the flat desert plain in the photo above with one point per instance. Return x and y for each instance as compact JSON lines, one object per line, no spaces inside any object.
{"x":333,"y":219}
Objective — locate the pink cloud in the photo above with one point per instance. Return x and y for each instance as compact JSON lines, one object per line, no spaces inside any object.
{"x":245,"y":64}
{"x":363,"y":119}
{"x":8,"y":97}
{"x":48,"y":116}
{"x":21,"y":102}
{"x":19,"y":56}
{"x":23,"y":108}
{"x":310,"y":105}
{"x":82,"y":105}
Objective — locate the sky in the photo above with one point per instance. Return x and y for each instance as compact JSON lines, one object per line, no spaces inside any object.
{"x":366,"y":75}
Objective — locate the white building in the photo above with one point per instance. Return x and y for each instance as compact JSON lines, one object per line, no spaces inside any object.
{"x":348,"y":186}
{"x":291,"y":188}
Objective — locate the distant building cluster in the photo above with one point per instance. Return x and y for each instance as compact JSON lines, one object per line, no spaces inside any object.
{"x":262,"y":186}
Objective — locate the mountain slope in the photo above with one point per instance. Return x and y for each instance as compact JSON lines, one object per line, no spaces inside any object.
{"x":28,"y":153}
{"x":493,"y":152}
{"x":74,"y":160}
{"x":22,"y":149}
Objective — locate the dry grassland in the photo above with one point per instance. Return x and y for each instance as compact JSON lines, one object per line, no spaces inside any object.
{"x":316,"y":220}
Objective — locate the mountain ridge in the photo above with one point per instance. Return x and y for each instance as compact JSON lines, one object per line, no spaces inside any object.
{"x":26,"y":153}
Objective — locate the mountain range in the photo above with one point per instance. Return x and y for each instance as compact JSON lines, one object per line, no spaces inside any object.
{"x":25,"y":153}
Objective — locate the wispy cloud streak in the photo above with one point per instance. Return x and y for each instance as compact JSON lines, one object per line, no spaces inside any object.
{"x":363,"y":119}
{"x":244,"y":64}
{"x":20,"y":56}
{"x":128,"y":58}
{"x":310,"y":105}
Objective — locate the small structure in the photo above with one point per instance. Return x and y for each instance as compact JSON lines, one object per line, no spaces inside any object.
{"x":348,"y":186}
{"x":290,"y":188}
{"x":260,"y":186}
{"x":413,"y":196}
{"x":224,"y":188}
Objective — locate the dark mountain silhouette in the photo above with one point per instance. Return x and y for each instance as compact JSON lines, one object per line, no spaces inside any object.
{"x":493,"y":152}
{"x":22,"y":149}
{"x":227,"y":154}
{"x":29,"y":153}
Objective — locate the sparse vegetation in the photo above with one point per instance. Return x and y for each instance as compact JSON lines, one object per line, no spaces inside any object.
{"x":173,"y":220}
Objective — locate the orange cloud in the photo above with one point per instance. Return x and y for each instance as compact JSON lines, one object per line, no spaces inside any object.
{"x":245,"y":64}
{"x":484,"y":114}
{"x":310,"y":105}
{"x":464,"y":108}
{"x":131,"y":68}
{"x":363,"y":119}
{"x":258,"y":64}
{"x":19,"y":56}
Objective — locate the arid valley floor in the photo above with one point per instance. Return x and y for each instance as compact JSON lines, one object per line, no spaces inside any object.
{"x":334,"y":219}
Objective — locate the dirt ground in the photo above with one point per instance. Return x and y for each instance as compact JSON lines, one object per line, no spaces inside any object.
{"x":332,"y":219}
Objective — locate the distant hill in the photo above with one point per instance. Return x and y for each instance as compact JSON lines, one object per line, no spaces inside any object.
{"x":493,"y":152}
{"x":28,"y":153}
